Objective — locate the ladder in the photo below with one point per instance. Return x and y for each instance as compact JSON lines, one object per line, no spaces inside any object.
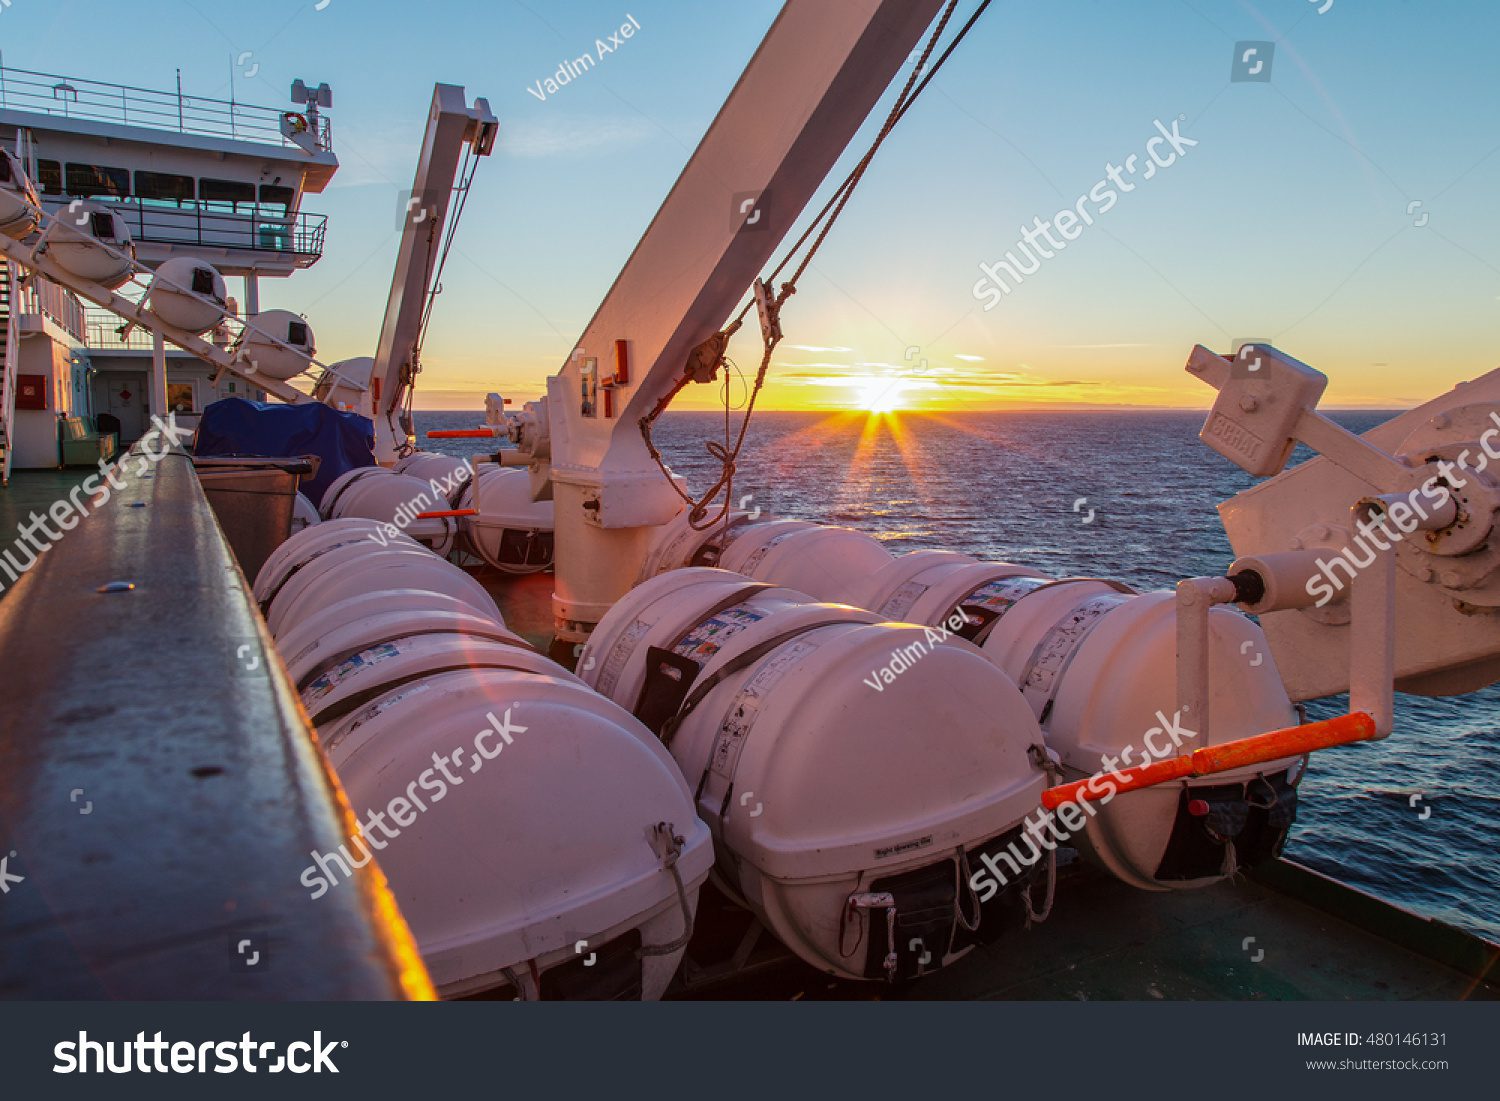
{"x":9,"y":353}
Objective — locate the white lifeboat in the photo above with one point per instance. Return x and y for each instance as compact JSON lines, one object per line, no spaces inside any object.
{"x":854,"y":772}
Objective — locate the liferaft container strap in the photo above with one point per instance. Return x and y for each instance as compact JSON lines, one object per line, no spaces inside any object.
{"x":669,"y":675}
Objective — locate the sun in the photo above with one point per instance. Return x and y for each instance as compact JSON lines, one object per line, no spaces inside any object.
{"x":881,"y":395}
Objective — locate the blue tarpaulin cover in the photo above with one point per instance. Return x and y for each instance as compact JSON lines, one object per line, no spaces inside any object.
{"x":240,"y":428}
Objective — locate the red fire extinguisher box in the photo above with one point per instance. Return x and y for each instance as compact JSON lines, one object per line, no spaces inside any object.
{"x":31,"y":391}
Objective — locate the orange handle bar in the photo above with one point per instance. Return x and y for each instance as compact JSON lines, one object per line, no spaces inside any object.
{"x":447,"y":512}
{"x":1256,"y":749}
{"x":460,"y":434}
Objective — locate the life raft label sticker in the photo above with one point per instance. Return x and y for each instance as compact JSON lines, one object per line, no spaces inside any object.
{"x":347,"y":668}
{"x":1000,"y":595}
{"x":729,"y":743}
{"x":709,"y":637}
{"x":748,"y":568}
{"x":1055,"y":652}
{"x":902,"y":599}
{"x":619,"y":654}
{"x":903,"y":847}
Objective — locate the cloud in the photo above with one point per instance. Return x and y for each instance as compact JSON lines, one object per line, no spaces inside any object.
{"x":968,"y":359}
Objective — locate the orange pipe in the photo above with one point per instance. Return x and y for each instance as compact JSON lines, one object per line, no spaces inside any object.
{"x":460,"y":434}
{"x":447,"y":512}
{"x":1256,"y":749}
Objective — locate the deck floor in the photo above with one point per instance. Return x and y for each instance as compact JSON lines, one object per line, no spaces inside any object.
{"x":1107,"y":941}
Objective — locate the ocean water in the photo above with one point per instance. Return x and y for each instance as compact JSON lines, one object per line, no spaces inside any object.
{"x":1008,"y":486}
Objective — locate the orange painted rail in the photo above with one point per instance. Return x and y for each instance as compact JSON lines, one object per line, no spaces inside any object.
{"x":460,"y":434}
{"x":1256,"y":749}
{"x":447,"y":512}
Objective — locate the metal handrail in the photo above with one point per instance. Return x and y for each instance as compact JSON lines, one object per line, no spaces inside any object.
{"x":98,"y":101}
{"x":47,"y":299}
{"x":238,"y":226}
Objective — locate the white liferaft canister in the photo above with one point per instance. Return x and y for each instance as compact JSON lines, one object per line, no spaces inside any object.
{"x":556,"y":852}
{"x":304,"y":513}
{"x":852,"y":771}
{"x":398,"y":501}
{"x":277,"y":343}
{"x":1097,"y":664}
{"x":679,"y":544}
{"x":892,"y":590}
{"x":446,"y":474}
{"x":345,"y":482}
{"x":91,"y":241}
{"x":358,"y":627}
{"x":827,"y":563}
{"x":310,"y":543}
{"x":332,"y":688}
{"x":189,"y":294}
{"x":511,"y":532}
{"x":349,"y":570}
{"x":19,"y":204}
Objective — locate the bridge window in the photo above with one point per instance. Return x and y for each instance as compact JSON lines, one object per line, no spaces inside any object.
{"x":164,"y":186}
{"x":232,"y":192}
{"x":49,"y":177}
{"x":271,"y":195}
{"x":88,"y":180}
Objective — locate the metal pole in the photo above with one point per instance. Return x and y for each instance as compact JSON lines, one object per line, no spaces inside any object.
{"x":159,"y":375}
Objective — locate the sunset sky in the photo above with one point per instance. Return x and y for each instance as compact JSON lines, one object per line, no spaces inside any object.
{"x":1343,"y":209}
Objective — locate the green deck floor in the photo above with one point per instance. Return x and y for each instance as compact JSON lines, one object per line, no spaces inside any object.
{"x":31,"y":491}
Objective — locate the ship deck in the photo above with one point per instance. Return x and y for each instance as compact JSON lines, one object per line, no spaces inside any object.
{"x":1313,"y":937}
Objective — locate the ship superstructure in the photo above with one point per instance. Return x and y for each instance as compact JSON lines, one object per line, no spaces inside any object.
{"x":190,"y":178}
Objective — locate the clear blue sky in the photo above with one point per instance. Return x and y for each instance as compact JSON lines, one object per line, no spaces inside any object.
{"x":1289,"y":220}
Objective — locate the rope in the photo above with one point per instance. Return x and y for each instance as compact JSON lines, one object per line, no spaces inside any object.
{"x":1033,"y":915}
{"x":726,"y":454}
{"x":407,"y":394}
{"x":673,"y":843}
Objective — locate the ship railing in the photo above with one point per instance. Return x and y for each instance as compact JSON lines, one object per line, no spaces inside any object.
{"x":98,"y":101}
{"x":108,"y":331}
{"x":58,"y":304}
{"x":241,"y":226}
